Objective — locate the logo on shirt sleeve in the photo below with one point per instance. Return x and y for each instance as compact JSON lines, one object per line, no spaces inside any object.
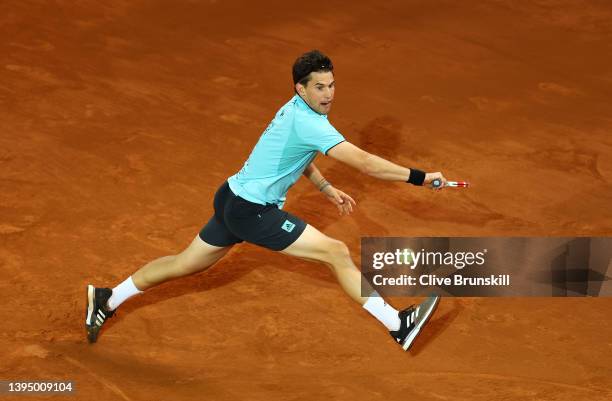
{"x":288,"y":226}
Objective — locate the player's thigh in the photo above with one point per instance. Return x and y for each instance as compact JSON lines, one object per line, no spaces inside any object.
{"x":200,"y":254}
{"x":314,"y":245}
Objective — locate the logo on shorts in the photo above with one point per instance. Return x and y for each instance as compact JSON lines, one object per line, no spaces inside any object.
{"x":288,"y":226}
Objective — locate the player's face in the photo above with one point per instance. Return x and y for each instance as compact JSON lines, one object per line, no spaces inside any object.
{"x":319,"y":91}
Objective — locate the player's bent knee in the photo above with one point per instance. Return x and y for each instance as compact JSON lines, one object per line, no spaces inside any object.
{"x":337,"y":251}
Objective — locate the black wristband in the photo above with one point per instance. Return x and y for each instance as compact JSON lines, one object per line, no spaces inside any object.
{"x":417,"y":177}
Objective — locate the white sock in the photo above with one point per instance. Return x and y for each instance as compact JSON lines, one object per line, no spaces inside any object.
{"x":382,"y":311}
{"x":122,"y":293}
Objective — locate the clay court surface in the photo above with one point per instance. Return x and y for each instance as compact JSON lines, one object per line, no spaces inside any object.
{"x":118,"y":121}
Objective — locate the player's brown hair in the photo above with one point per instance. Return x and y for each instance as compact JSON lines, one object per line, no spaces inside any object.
{"x":312,"y":61}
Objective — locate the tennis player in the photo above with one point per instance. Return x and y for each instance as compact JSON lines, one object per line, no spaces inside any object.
{"x":249,"y":207}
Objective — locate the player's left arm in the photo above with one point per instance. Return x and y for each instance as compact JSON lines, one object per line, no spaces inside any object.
{"x":314,"y":175}
{"x":343,"y":201}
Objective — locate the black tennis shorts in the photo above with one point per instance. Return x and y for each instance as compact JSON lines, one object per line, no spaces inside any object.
{"x":236,"y":220}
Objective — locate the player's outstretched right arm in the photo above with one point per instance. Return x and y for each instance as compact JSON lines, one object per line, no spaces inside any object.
{"x":376,"y":166}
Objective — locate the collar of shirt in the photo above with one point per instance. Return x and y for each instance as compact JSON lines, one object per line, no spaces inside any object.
{"x":304,"y":106}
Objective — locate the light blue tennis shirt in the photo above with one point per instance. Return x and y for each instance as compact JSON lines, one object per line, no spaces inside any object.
{"x":283,"y":151}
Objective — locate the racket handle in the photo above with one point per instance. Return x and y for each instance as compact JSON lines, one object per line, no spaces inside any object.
{"x":437,"y":183}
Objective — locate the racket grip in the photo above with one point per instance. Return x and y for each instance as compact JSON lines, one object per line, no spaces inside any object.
{"x":437,"y":183}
